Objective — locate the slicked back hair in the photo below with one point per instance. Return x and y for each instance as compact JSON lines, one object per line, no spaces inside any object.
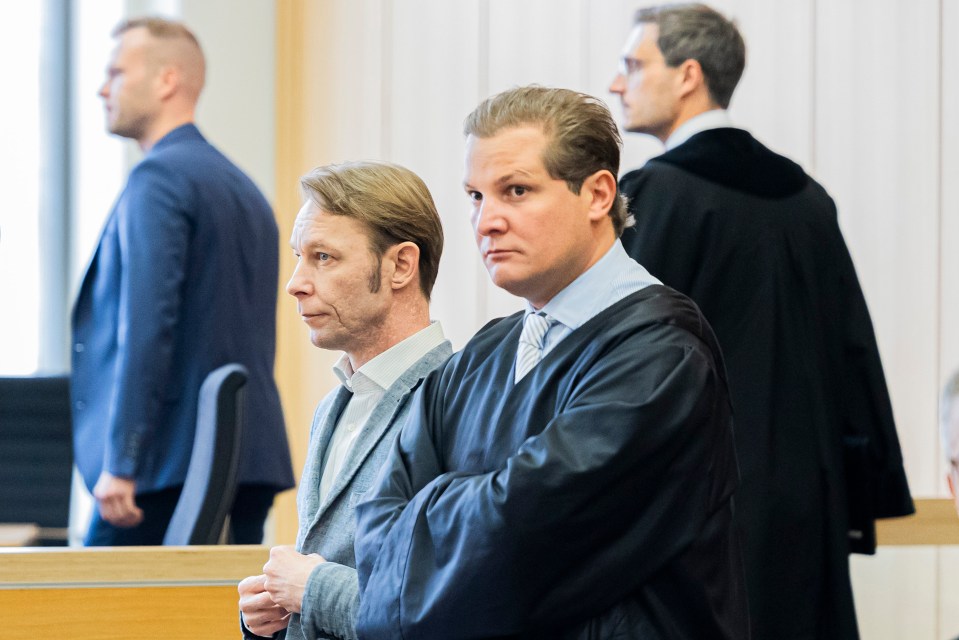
{"x":582,"y":137}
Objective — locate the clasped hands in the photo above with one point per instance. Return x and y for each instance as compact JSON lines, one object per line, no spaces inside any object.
{"x":267,"y":600}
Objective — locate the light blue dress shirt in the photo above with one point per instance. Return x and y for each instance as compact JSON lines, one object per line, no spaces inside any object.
{"x":713,"y":119}
{"x":612,"y":278}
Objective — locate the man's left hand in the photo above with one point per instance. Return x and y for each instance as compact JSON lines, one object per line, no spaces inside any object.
{"x":286,"y":574}
{"x":116,"y":500}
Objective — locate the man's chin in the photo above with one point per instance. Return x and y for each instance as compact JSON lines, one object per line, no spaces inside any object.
{"x":324,"y":340}
{"x":512,"y":285}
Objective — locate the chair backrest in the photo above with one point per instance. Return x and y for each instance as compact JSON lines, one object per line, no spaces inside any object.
{"x":36,"y":450}
{"x":210,"y":484}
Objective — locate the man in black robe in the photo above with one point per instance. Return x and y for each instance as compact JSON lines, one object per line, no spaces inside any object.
{"x":755,"y":242}
{"x":569,"y":473}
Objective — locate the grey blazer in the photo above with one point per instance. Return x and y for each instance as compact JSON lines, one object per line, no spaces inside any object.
{"x":332,"y":600}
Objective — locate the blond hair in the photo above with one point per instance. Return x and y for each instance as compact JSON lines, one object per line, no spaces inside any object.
{"x":391,"y":201}
{"x":582,"y":137}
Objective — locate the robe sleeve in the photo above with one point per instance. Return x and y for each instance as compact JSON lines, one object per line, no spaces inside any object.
{"x":876,"y":477}
{"x":154,"y":244}
{"x":618,"y":484}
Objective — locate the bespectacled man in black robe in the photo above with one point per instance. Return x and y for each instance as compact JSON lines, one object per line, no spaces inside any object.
{"x":570,"y":473}
{"x":755,"y":242}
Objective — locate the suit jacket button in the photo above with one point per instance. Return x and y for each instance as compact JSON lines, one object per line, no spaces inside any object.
{"x":80,"y":405}
{"x":78,"y":347}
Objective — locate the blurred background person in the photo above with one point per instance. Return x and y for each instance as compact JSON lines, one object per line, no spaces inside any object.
{"x":949,"y":429}
{"x":183,"y":280}
{"x":755,"y":242}
{"x":368,"y":242}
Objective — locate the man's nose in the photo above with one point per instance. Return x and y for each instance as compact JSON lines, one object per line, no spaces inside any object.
{"x":618,"y":85}
{"x":488,"y":218}
{"x":298,"y":285}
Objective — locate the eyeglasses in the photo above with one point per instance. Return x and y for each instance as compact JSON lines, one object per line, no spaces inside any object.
{"x":628,"y":66}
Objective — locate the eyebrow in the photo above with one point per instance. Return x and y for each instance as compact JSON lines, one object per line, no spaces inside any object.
{"x":506,"y":179}
{"x":315,"y":245}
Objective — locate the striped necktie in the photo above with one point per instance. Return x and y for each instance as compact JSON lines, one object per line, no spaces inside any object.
{"x":530,"y":350}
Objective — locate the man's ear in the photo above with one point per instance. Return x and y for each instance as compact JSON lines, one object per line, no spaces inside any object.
{"x":691,"y":78}
{"x":405,"y":257}
{"x":168,"y":81}
{"x":600,"y":189}
{"x":952,"y":486}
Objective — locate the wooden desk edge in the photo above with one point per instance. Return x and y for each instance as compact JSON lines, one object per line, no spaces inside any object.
{"x":26,"y":566}
{"x":934,"y":523}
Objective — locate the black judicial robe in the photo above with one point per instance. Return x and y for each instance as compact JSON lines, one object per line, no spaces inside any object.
{"x":755,"y":243}
{"x":590,"y":500}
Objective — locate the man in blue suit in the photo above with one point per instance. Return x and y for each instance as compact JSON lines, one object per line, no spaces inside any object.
{"x":368,"y":243}
{"x":183,"y":280}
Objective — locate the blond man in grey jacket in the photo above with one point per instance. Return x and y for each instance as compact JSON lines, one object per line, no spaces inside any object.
{"x":368,"y":242}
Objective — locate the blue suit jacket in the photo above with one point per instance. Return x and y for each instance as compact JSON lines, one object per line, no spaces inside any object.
{"x":184,"y":279}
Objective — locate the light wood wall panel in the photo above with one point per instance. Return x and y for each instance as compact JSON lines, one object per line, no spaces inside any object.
{"x":949,"y":210}
{"x":536,"y":41}
{"x":948,"y":601}
{"x":430,"y":94}
{"x":877,"y":140}
{"x":895,"y":597}
{"x":774,"y":99}
{"x":908,"y":593}
{"x":349,"y":74}
{"x":302,"y":371}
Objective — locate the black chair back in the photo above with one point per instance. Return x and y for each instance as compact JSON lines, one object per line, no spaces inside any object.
{"x":210,"y":484}
{"x":36,"y":451}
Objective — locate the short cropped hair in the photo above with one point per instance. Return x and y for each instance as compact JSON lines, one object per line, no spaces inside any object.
{"x":697,"y":32}
{"x":157,"y":27}
{"x":391,"y":201}
{"x":582,"y":137}
{"x":172,"y":31}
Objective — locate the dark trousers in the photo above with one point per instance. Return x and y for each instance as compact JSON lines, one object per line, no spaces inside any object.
{"x":250,"y":508}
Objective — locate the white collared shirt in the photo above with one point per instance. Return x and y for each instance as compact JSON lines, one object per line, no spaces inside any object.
{"x":714,"y":119}
{"x":368,"y":385}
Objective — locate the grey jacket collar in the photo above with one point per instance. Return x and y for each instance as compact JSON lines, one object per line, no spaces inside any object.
{"x":378,"y":424}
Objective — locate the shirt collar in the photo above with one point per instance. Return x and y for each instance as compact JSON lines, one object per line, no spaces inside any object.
{"x":590,"y":292}
{"x":183,"y":132}
{"x":382,"y":371}
{"x":714,"y":119}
